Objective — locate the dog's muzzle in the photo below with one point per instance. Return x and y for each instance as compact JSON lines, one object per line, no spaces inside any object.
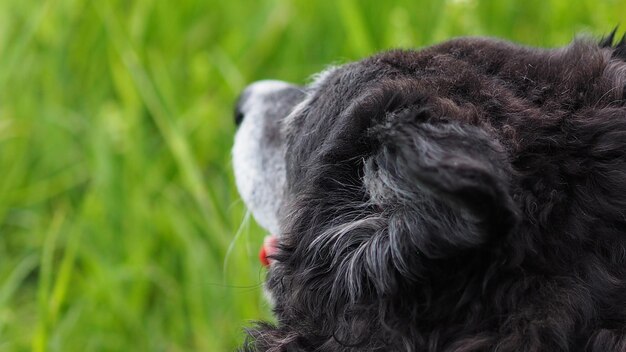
{"x":259,"y":150}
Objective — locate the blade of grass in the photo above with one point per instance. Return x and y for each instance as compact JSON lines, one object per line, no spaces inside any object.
{"x":40,"y":338}
{"x":359,"y":38}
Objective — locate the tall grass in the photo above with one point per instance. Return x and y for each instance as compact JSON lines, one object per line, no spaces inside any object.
{"x":118,"y":214}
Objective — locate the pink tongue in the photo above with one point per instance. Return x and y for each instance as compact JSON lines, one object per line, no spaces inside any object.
{"x":268,"y":249}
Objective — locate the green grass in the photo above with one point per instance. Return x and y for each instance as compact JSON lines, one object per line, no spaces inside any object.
{"x":120,"y":227}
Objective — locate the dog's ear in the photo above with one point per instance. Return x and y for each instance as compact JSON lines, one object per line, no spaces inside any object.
{"x":452,"y":180}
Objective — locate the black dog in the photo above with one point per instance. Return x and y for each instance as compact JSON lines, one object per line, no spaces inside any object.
{"x":470,"y":196}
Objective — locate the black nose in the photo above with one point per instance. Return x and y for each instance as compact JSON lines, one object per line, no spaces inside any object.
{"x":239,"y":114}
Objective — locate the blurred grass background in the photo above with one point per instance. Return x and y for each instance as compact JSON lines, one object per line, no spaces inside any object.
{"x":120,"y":228}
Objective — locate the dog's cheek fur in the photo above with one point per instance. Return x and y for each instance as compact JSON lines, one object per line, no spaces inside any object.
{"x":369,"y":253}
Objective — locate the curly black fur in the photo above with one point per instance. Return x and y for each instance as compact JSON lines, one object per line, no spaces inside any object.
{"x":470,"y":196}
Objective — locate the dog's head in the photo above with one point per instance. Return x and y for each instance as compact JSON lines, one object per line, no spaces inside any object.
{"x":369,"y":140}
{"x":388,"y":179}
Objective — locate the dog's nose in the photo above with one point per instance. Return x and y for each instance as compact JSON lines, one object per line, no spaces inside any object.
{"x":239,"y":114}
